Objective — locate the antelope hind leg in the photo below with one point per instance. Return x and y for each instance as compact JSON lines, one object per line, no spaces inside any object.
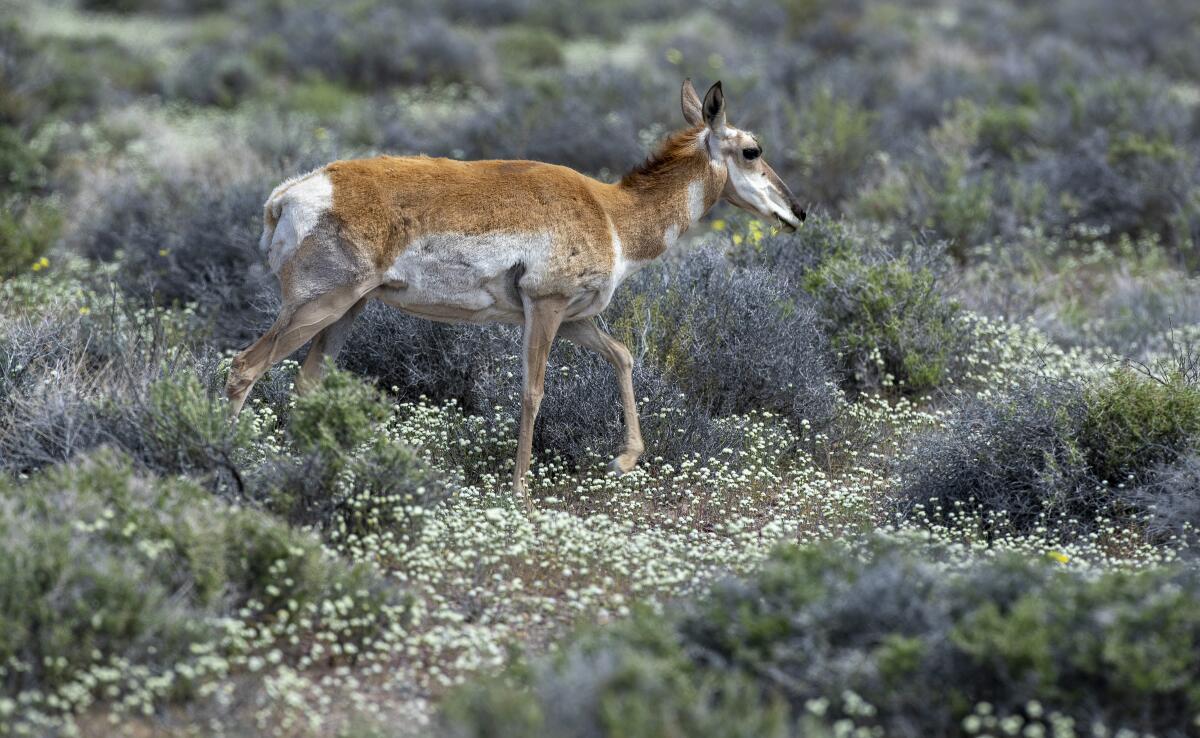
{"x":294,"y":326}
{"x":327,"y":344}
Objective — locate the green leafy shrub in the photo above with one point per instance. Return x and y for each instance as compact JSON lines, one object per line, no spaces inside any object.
{"x":28,"y":228}
{"x":29,"y":222}
{"x":177,"y":425}
{"x":340,"y":414}
{"x":1135,"y":422}
{"x":1006,"y":130}
{"x":89,"y":73}
{"x":23,"y":166}
{"x":830,"y":630}
{"x":215,"y":74}
{"x":888,"y":322}
{"x":348,"y":478}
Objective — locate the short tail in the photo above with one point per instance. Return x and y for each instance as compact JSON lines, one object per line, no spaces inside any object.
{"x":271,"y":211}
{"x":278,"y":214}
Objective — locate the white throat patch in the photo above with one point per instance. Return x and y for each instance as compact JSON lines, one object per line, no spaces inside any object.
{"x":695,"y":200}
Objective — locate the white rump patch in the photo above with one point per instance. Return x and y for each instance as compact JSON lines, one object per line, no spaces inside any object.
{"x":298,"y":204}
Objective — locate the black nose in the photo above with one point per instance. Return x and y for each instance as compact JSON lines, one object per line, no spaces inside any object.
{"x":797,"y":208}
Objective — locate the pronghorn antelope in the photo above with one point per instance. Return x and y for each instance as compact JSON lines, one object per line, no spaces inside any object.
{"x":511,"y":241}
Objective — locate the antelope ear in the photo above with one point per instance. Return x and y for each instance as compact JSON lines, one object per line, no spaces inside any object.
{"x":690,"y":102}
{"x":714,"y":109}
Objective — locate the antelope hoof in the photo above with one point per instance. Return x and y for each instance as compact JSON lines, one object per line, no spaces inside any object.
{"x":623,"y":464}
{"x":236,"y":393}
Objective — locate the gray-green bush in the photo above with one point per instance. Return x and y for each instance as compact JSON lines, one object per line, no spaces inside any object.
{"x":1059,"y":454}
{"x":104,"y":563}
{"x":830,"y":633}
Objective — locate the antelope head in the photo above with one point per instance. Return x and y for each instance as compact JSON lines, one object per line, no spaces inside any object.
{"x":751,"y":183}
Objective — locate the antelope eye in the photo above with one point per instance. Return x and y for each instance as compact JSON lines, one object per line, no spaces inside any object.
{"x":751,"y":153}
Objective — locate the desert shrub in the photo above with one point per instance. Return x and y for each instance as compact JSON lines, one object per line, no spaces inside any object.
{"x":82,"y":370}
{"x":1136,"y":421}
{"x":599,"y":18}
{"x":734,"y":339}
{"x":638,"y":683}
{"x":22,"y":162}
{"x":834,"y":143}
{"x":1008,"y":632}
{"x":1171,"y":499}
{"x":520,"y":48}
{"x":1057,"y":454}
{"x":943,"y":186}
{"x":106,"y":564}
{"x":367,"y":45}
{"x":882,"y":637}
{"x":414,"y":357}
{"x":888,"y":322}
{"x":28,"y":228}
{"x":885,"y":308}
{"x":29,"y":222}
{"x":217,"y":74}
{"x":181,"y":7}
{"x":176,"y":423}
{"x":341,"y":414}
{"x":343,"y":474}
{"x":1007,"y":130}
{"x":75,"y":372}
{"x":76,"y":76}
{"x":1014,"y":457}
{"x":367,"y":501}
{"x":188,"y":240}
{"x":587,"y":120}
{"x":479,"y":367}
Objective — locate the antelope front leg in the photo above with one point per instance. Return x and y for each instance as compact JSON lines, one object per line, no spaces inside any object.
{"x":542,"y":318}
{"x":587,"y":333}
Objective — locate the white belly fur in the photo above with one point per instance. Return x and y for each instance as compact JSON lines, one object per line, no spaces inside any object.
{"x":455,"y":277}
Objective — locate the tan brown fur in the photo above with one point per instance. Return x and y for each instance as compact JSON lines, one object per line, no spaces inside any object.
{"x":387,"y":201}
